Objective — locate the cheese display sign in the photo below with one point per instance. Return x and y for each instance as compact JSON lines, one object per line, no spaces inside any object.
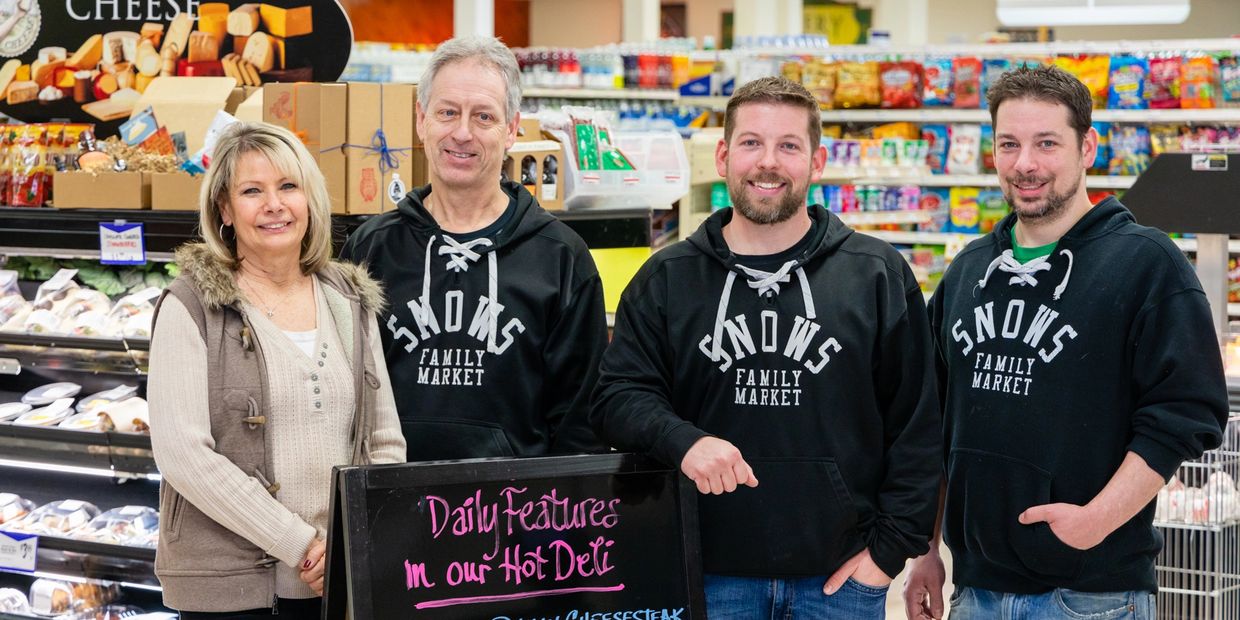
{"x":91,"y":60}
{"x":598,"y":536}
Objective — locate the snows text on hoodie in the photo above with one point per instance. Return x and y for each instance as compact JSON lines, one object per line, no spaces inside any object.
{"x":490,"y":361}
{"x":818,"y":370}
{"x":1053,"y":370}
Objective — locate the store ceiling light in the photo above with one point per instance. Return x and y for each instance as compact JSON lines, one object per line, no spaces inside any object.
{"x":1091,"y":12}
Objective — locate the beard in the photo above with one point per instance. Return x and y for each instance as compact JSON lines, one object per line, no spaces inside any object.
{"x":1049,"y":208}
{"x":772,"y":210}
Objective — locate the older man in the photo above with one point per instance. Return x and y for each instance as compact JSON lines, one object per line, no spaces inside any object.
{"x":495,"y":323}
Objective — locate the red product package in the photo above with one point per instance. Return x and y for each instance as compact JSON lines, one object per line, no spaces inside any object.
{"x":1162,"y":88}
{"x":968,"y":84}
{"x":29,"y":169}
{"x":901,"y":84}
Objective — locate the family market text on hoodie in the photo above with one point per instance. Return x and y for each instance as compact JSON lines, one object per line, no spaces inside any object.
{"x":492,"y":344}
{"x":820,"y":373}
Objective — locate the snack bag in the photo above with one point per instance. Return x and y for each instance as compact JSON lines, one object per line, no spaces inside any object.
{"x":1102,"y":160}
{"x":988,"y":148}
{"x":1198,"y":82}
{"x":964,"y":153}
{"x":964,"y":216}
{"x":1130,"y":149}
{"x":1092,"y":71}
{"x":936,"y":138}
{"x":992,"y":68}
{"x":901,"y":84}
{"x":1166,"y":138}
{"x":819,"y":78}
{"x":967,"y":82}
{"x":936,"y":201}
{"x":991,"y":208}
{"x":907,"y":131}
{"x":1229,"y":81}
{"x":858,"y":85}
{"x":1162,"y":88}
{"x":27,"y":185}
{"x":937,"y":82}
{"x":1126,"y":90}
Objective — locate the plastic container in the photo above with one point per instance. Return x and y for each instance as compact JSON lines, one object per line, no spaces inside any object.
{"x":13,"y":507}
{"x":660,"y":177}
{"x":127,"y":525}
{"x":9,"y":411}
{"x":50,"y":415}
{"x":58,"y":518}
{"x":47,"y":394}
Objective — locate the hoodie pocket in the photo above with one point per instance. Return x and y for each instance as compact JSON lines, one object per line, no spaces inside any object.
{"x":438,"y":439}
{"x":171,"y":506}
{"x":800,"y":520}
{"x":987,"y":494}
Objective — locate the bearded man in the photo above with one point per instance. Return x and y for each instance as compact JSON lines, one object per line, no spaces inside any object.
{"x":777,"y":344}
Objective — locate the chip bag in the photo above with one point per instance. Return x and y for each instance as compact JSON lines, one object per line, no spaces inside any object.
{"x":858,"y":85}
{"x":901,"y":84}
{"x":967,"y":82}
{"x":1126,"y":90}
{"x":937,"y":82}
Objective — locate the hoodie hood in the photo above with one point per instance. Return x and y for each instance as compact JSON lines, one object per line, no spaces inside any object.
{"x":528,"y":220}
{"x":829,"y":234}
{"x":1099,"y":220}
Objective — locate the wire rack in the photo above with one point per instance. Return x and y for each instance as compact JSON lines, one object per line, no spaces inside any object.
{"x":1199,"y":516}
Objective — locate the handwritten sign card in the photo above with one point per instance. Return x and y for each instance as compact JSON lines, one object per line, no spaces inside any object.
{"x":583,"y":537}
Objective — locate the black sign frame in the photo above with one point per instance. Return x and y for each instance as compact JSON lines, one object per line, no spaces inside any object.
{"x":347,"y":580}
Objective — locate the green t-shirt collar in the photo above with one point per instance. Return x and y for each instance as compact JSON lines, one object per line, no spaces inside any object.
{"x":1024,"y":255}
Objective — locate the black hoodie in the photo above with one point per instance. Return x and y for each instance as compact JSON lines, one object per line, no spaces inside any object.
{"x":1052,"y":372}
{"x":821,"y":374}
{"x":492,"y":345}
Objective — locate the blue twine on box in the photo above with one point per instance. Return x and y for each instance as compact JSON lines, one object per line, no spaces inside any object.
{"x":388,"y":156}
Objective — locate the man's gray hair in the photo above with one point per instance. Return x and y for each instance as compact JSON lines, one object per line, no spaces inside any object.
{"x":487,"y":50}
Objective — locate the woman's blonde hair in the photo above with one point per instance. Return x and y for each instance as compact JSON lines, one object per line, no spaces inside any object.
{"x":289,"y":156}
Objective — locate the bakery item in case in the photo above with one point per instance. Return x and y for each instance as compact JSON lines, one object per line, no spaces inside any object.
{"x":14,"y":507}
{"x":47,"y":416}
{"x":51,"y":392}
{"x":9,"y":411}
{"x":49,"y":597}
{"x":98,"y":399}
{"x":131,"y":415}
{"x":13,"y":601}
{"x":127,"y":525}
{"x":58,"y":518}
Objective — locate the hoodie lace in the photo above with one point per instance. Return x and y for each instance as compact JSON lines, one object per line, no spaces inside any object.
{"x":460,"y":257}
{"x":1024,"y":273}
{"x":766,"y":283}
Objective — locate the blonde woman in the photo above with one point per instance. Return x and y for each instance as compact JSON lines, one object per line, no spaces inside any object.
{"x":263,"y":376}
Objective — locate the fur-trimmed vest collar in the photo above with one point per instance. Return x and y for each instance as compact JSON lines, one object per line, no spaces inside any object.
{"x":219,"y":287}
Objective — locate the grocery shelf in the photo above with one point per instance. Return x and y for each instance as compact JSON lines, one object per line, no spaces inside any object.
{"x":52,"y":448}
{"x":601,"y":93}
{"x":75,"y":342}
{"x":874,"y":218}
{"x":878,"y":177}
{"x":912,"y":237}
{"x":988,"y":50}
{"x":965,"y":115}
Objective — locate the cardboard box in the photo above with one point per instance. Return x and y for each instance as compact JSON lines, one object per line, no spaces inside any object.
{"x":542,"y":162}
{"x":187,"y":104}
{"x":372,"y":188}
{"x":175,"y":191}
{"x":106,"y":190}
{"x":317,"y":114}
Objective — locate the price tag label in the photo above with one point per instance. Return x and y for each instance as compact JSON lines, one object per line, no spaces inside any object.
{"x":18,"y":551}
{"x":121,"y":244}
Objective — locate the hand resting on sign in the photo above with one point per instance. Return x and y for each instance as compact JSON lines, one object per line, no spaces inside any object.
{"x":716,"y":466}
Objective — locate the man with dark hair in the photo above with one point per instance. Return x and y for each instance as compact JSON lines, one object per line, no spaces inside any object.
{"x":495,"y":323}
{"x":776,"y":344}
{"x":1079,"y":368}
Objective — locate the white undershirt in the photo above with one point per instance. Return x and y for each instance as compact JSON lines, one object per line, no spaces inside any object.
{"x":303,"y":340}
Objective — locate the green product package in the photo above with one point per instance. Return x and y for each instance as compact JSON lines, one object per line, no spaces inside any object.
{"x":587,"y":146}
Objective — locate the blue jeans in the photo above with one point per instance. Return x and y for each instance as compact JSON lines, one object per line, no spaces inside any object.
{"x":1060,"y":604}
{"x":755,"y":598}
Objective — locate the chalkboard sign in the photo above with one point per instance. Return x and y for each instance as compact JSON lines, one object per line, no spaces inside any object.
{"x":579,"y":537}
